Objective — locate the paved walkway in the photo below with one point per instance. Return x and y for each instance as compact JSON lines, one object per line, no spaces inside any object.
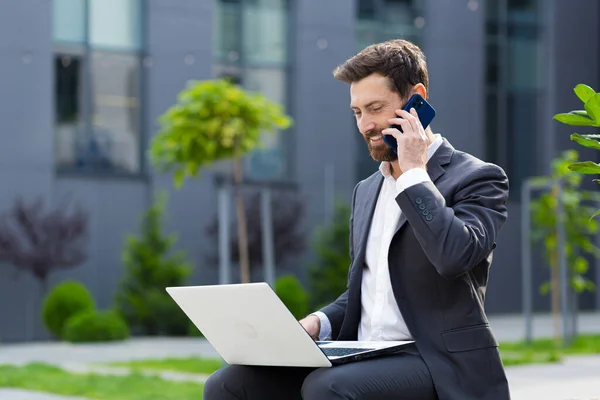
{"x":17,"y":394}
{"x":575,"y":379}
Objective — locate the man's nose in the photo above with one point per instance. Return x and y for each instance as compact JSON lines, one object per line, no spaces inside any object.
{"x":365,"y":125}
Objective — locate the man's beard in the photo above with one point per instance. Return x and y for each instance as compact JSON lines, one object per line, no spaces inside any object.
{"x":380,"y":152}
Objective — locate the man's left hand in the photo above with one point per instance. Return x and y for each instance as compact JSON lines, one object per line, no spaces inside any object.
{"x":413,"y":143}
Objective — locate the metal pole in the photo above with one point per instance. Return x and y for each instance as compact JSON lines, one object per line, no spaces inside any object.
{"x":224,"y":200}
{"x":574,"y":312}
{"x":562,"y":259}
{"x":267,"y":236}
{"x":526,"y":260}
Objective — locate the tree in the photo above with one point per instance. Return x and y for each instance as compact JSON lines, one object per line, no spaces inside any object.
{"x":579,"y":231}
{"x":215,"y":120}
{"x":589,"y":117}
{"x":150,"y":266}
{"x":41,"y":242}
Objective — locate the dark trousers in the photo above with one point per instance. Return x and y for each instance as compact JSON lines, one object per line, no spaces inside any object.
{"x":400,"y":376}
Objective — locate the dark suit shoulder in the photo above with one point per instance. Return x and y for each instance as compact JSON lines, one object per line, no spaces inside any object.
{"x":369,"y":181}
{"x":467,"y":165}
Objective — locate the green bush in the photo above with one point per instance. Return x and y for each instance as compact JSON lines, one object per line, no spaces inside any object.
{"x":293,"y":295}
{"x":580,"y":230}
{"x":150,"y":267}
{"x":96,"y":326}
{"x":328,"y":277}
{"x":63,"y":302}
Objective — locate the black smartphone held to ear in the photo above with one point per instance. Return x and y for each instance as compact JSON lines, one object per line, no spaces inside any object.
{"x":425,"y":112}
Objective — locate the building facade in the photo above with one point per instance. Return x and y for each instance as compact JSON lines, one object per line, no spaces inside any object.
{"x":84,"y":82}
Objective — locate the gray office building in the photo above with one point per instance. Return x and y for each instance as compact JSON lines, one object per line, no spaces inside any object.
{"x":84,"y":81}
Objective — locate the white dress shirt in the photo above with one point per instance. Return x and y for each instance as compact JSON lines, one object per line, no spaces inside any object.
{"x":380,"y":316}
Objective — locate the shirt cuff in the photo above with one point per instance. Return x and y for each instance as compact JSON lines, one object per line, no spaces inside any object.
{"x":410,"y":178}
{"x":325,"y":332}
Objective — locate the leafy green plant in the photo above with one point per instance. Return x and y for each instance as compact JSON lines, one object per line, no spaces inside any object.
{"x":96,"y":326}
{"x":292,"y":294}
{"x":579,"y":228}
{"x":329,"y":275}
{"x":215,"y":120}
{"x":64,"y":301}
{"x":589,"y":117}
{"x":150,"y":266}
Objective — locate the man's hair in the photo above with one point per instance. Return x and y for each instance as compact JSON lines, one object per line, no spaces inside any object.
{"x":401,"y":61}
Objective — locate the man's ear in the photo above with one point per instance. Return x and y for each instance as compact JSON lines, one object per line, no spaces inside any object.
{"x":420,"y":88}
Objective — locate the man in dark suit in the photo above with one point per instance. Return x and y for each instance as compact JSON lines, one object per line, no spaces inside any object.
{"x":423,"y":230}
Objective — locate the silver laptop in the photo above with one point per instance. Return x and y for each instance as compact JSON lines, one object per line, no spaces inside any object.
{"x":248,"y":324}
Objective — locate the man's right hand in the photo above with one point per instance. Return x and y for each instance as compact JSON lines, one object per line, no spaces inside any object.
{"x":312,"y":325}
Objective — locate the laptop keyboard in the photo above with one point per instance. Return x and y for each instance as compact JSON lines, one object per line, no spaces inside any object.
{"x":342,"y":351}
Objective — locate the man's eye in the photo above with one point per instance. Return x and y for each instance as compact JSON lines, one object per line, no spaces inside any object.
{"x":376,"y":109}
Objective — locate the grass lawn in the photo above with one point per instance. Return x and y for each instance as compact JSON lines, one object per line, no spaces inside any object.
{"x":49,"y":379}
{"x":135,"y":386}
{"x":194,"y":365}
{"x":545,"y":351}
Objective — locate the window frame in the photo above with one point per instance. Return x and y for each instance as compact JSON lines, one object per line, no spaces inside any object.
{"x":85,"y":51}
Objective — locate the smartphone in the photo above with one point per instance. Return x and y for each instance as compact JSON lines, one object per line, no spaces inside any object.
{"x":425,"y":112}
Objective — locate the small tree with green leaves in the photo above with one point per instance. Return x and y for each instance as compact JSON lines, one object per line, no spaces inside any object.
{"x":579,"y":231}
{"x":215,"y":120}
{"x":150,"y":267}
{"x":589,"y":117}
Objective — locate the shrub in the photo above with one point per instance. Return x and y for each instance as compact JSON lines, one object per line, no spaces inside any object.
{"x":329,"y":275}
{"x":63,"y":302}
{"x":292,"y":294}
{"x":150,"y":267}
{"x":96,"y":326}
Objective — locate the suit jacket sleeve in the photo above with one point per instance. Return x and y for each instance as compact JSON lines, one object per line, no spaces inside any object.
{"x":458,"y":237}
{"x":336,"y":311}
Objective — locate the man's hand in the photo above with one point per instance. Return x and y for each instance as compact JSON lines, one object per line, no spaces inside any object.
{"x":312,"y":325}
{"x":413,"y":143}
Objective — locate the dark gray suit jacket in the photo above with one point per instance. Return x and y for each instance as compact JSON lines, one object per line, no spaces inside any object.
{"x":439,"y":262}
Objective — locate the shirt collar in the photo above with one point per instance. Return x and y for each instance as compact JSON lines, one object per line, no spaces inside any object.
{"x":385,"y":169}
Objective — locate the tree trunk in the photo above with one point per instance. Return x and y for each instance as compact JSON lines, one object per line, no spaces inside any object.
{"x":242,"y":224}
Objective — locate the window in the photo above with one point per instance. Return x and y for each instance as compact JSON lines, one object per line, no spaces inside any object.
{"x":68,"y":106}
{"x":68,"y":21}
{"x":514,"y":82}
{"x":264,"y":32}
{"x":228,"y":35}
{"x":250,"y":48}
{"x":115,"y":24}
{"x":115,"y":110}
{"x":380,"y":20}
{"x":268,"y":163}
{"x":97,"y":94}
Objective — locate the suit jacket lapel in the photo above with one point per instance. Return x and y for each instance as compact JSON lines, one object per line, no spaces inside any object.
{"x":435,"y":169}
{"x":365,"y":207}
